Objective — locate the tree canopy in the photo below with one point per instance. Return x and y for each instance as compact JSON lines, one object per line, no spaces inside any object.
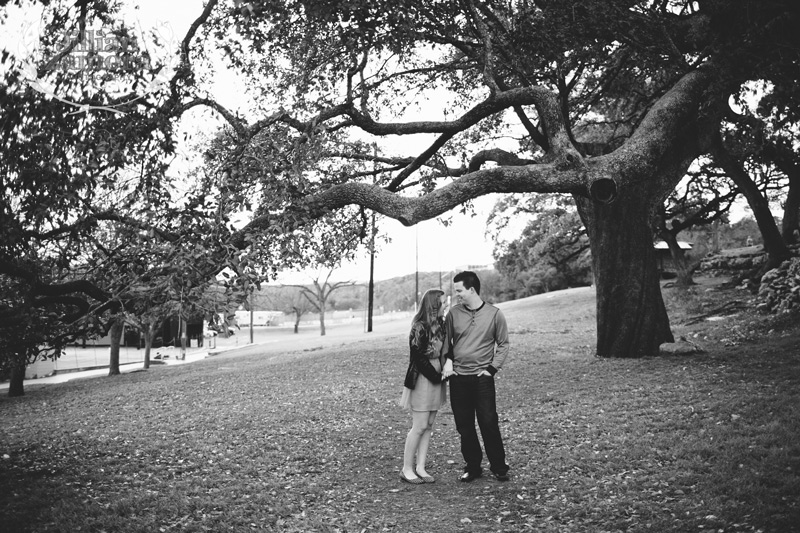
{"x":609,"y":101}
{"x":556,"y":75}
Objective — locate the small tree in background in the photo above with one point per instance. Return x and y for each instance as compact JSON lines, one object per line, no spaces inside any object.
{"x":317,"y":295}
{"x":289,"y":300}
{"x":704,"y":199}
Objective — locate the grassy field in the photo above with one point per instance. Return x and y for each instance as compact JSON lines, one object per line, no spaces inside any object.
{"x":312,"y":440}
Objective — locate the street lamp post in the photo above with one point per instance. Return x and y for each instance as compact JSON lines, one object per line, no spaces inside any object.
{"x":416,"y":266}
{"x":371,"y":289}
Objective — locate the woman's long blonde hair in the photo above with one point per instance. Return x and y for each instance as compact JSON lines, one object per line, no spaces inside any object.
{"x":428,"y":312}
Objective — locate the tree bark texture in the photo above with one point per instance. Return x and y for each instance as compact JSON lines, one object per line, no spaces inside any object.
{"x":632,"y":320}
{"x":791,"y":209}
{"x":116,"y":338}
{"x":149,"y":334}
{"x":16,"y":384}
{"x":683,"y":268}
{"x":774,"y":245}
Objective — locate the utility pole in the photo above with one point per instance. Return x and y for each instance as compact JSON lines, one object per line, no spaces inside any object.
{"x":182,"y":333}
{"x":182,"y":329}
{"x":416,"y":266}
{"x":252,"y":301}
{"x":371,"y":289}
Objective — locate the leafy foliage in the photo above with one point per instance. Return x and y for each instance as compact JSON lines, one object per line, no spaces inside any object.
{"x":89,"y":217}
{"x":328,"y":80}
{"x":61,"y":167}
{"x":552,"y":252}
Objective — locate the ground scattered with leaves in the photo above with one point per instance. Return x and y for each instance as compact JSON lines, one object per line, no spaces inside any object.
{"x":312,"y":441}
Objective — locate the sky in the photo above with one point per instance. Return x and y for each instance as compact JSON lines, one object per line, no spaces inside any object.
{"x":428,"y":246}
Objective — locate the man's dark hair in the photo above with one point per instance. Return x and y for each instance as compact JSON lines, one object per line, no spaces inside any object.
{"x":469,"y":280}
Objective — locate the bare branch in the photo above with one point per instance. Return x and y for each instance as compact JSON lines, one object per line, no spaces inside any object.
{"x":237,"y":124}
{"x":488,"y":64}
{"x":184,"y":69}
{"x":420,"y":160}
{"x":501,"y":157}
{"x":92,"y":219}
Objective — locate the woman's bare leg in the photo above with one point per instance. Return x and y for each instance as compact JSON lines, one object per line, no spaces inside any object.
{"x":424,"y":441}
{"x":419,"y":426}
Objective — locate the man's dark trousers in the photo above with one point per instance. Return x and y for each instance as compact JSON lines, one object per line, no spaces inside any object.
{"x":471,"y":397}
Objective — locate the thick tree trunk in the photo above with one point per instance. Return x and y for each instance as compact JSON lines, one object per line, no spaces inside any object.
{"x":774,"y":245}
{"x":149,"y":333}
{"x":16,"y":384}
{"x":791,"y":209}
{"x":182,"y":324}
{"x":322,"y":323}
{"x":116,"y":337}
{"x":297,"y":314}
{"x":683,"y":268}
{"x":632,"y":320}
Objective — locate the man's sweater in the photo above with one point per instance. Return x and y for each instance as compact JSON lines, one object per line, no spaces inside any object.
{"x":476,"y":340}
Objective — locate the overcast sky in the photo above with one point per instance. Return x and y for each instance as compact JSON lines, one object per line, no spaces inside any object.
{"x":430,"y":246}
{"x":440,"y":248}
{"x":437,"y":247}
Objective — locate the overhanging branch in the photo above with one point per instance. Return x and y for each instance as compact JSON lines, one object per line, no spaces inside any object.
{"x":548,"y":177}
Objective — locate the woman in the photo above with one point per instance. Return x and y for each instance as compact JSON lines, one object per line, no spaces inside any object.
{"x":423,"y":392}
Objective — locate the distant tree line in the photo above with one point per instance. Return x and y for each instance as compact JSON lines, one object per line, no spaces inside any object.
{"x":552,"y":253}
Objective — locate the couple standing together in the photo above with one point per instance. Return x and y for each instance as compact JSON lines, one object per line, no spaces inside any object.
{"x":467,"y":347}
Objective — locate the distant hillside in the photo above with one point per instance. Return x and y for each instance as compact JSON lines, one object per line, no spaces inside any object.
{"x":397,"y":294}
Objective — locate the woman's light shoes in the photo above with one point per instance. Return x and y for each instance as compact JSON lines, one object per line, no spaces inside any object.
{"x":426,"y":478}
{"x":419,"y":480}
{"x":413,"y":480}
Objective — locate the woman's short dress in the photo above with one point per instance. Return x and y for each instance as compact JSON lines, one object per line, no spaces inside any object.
{"x":426,"y":396}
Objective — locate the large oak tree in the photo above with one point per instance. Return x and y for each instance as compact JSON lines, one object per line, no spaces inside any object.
{"x":334,"y":86}
{"x":332,"y":72}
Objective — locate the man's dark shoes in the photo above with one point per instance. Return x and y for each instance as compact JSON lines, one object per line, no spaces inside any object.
{"x":502,"y":477}
{"x":470,"y":476}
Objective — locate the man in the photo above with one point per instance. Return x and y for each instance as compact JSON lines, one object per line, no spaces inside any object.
{"x":476,"y":344}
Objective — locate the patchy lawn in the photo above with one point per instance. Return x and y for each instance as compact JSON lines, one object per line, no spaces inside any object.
{"x":312,"y":441}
